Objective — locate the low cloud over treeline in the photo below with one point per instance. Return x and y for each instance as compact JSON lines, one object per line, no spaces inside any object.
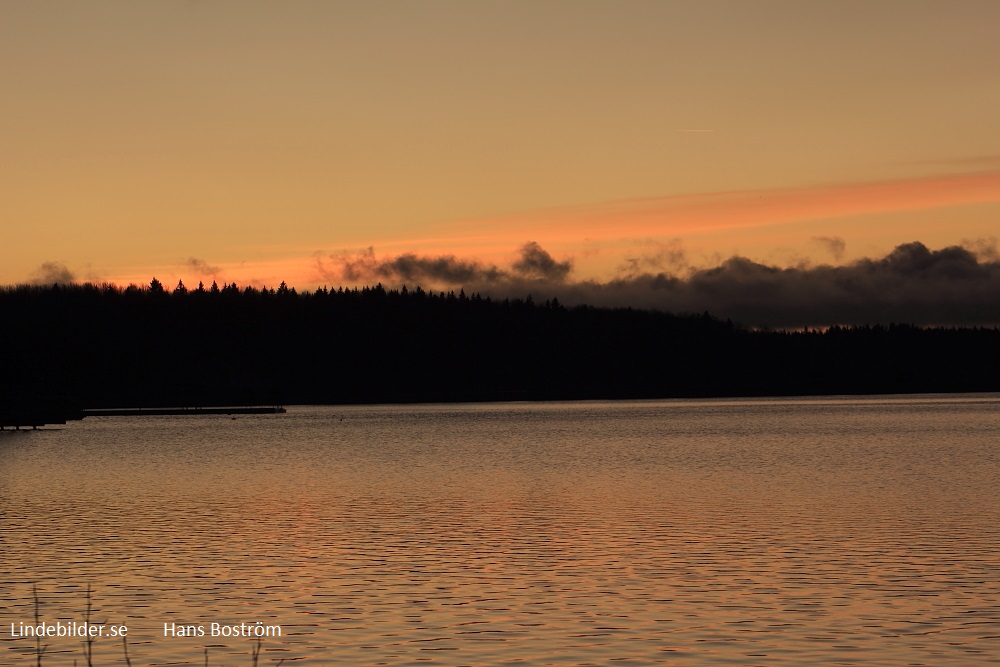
{"x":534,"y":264}
{"x":957,"y":285}
{"x":50,"y":273}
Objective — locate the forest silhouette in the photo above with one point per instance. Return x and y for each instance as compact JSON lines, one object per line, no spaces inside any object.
{"x":68,"y":347}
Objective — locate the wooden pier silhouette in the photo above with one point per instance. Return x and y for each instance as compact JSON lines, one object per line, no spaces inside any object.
{"x":32,"y":418}
{"x":159,"y":412}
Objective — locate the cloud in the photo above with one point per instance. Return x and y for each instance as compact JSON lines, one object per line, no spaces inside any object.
{"x":201,"y":267}
{"x":446,"y":269}
{"x":974,"y":161}
{"x":833,"y":244}
{"x":537,"y":263}
{"x":534,"y":264}
{"x":669,"y":257}
{"x":912,"y":284}
{"x":350,"y":267}
{"x":688,"y":214}
{"x":408,"y":267}
{"x":985,"y":249}
{"x":50,"y":273}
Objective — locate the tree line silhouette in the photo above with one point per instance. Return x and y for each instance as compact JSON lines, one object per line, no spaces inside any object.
{"x":93,"y":346}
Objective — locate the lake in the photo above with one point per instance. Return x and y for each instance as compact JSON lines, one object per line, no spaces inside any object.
{"x":834,"y":531}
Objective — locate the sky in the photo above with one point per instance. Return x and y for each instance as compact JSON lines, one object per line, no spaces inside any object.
{"x":573,"y":147}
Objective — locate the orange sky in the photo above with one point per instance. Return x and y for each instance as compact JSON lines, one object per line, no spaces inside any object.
{"x":245,"y":141}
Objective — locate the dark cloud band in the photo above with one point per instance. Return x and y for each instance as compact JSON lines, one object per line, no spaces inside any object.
{"x":912,"y":284}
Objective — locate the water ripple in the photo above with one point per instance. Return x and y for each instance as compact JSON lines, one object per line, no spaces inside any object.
{"x":836,"y":531}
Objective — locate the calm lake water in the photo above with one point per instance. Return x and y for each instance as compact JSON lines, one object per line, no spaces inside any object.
{"x":837,"y":531}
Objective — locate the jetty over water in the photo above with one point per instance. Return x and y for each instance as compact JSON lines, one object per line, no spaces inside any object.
{"x":159,"y":412}
{"x":32,"y":418}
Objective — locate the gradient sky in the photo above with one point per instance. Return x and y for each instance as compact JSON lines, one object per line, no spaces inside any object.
{"x":256,"y":141}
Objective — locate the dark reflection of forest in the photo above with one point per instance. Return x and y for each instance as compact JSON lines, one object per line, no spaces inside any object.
{"x":103,"y":346}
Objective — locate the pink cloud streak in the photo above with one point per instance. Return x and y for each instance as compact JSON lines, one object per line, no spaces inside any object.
{"x":673,"y":215}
